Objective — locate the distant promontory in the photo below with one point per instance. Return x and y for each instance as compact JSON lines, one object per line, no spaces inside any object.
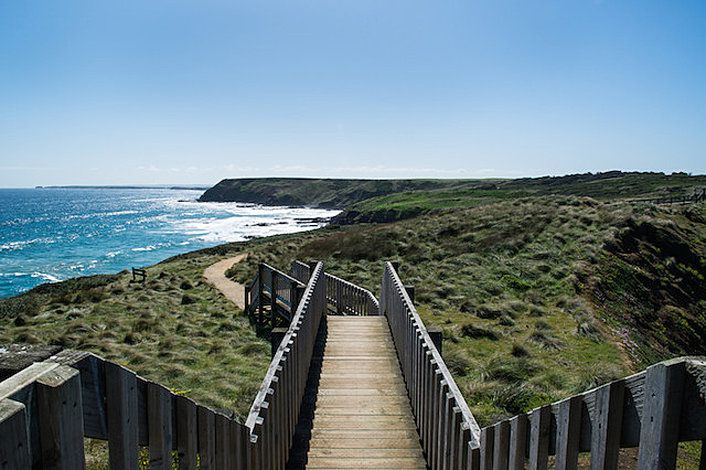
{"x":324,"y":193}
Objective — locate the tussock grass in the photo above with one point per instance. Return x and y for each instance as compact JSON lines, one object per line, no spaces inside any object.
{"x":529,"y":294}
{"x":202,"y":346}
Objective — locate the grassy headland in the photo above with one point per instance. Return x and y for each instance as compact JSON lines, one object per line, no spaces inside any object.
{"x":540,"y":291}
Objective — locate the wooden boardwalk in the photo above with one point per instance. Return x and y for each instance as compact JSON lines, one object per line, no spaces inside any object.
{"x":363,"y":418}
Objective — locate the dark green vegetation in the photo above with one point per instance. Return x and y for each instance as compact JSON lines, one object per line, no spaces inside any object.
{"x":540,"y":290}
{"x":390,"y":200}
{"x":332,"y":193}
{"x":600,"y":186}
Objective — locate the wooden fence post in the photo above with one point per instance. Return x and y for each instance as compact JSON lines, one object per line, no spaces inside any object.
{"x":60,"y":413}
{"x":540,"y":423}
{"x":518,"y":442}
{"x":121,"y":403}
{"x":187,"y":432}
{"x":207,"y":437}
{"x":568,"y":429}
{"x":436,"y":337}
{"x":487,"y":442}
{"x":260,"y":290}
{"x":222,"y":442}
{"x":661,"y":410}
{"x":410,"y":292}
{"x":607,"y":423}
{"x":14,"y":446}
{"x":501,"y":445}
{"x":159,"y":422}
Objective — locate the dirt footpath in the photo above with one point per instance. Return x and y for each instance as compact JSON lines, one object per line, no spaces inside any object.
{"x":215,"y":275}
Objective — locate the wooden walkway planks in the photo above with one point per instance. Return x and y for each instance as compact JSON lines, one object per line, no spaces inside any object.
{"x":363,"y":418}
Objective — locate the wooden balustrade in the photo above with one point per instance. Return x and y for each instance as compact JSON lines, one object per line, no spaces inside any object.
{"x":693,"y":198}
{"x":446,"y":426}
{"x":345,"y":297}
{"x":349,"y":299}
{"x":49,"y":407}
{"x":300,"y":271}
{"x":278,"y":290}
{"x":653,"y":410}
{"x":274,"y":412}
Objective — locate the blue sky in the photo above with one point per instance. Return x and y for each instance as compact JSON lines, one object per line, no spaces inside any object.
{"x":138,"y":92}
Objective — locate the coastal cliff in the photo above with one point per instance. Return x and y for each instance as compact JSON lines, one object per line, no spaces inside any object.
{"x":324,"y":193}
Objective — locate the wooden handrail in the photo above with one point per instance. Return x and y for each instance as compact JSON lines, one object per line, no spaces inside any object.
{"x":653,"y":410}
{"x":346,"y":297}
{"x":284,"y":294}
{"x":300,"y":271}
{"x":274,"y":412}
{"x":349,"y":299}
{"x":82,"y":395}
{"x":446,"y":425}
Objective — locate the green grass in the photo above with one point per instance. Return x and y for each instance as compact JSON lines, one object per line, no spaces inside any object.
{"x":513,"y":285}
{"x":457,"y":194}
{"x":204,"y":349}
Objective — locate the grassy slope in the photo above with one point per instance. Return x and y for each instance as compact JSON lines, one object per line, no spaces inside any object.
{"x":514,"y":284}
{"x":507,"y":282}
{"x":601,"y":186}
{"x":173,"y":329}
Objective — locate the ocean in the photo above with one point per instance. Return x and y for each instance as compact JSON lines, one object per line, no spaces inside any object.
{"x":48,"y":235}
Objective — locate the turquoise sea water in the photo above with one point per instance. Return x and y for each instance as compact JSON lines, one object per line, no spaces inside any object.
{"x":49,"y":235}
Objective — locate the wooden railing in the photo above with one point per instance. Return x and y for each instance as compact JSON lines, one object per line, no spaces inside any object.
{"x":300,"y":271}
{"x":48,"y":408}
{"x":345,"y":297}
{"x":653,"y":410}
{"x":349,"y":299}
{"x":278,"y":291}
{"x":274,"y":412}
{"x":692,"y":198}
{"x":448,"y":431}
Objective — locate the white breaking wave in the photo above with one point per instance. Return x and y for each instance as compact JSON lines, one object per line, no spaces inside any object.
{"x":45,"y":277}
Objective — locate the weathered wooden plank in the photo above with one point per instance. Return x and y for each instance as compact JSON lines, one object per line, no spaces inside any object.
{"x":121,"y":404}
{"x":206,"y":419}
{"x":60,"y":413}
{"x":159,"y":419}
{"x":487,"y":442}
{"x":518,"y":442}
{"x":540,"y":422}
{"x":501,"y":445}
{"x":568,"y":433}
{"x":473,"y":462}
{"x":660,"y":416}
{"x":24,"y":378}
{"x":92,"y":367}
{"x":14,"y":445}
{"x":606,"y":425}
{"x":222,"y":442}
{"x":187,"y":432}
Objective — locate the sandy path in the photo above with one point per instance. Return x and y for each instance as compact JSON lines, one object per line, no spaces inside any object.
{"x":215,"y":275}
